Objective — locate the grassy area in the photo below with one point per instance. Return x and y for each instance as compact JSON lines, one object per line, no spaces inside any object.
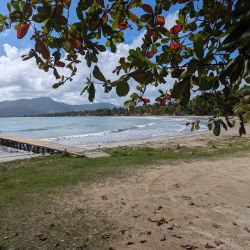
{"x":30,"y":220}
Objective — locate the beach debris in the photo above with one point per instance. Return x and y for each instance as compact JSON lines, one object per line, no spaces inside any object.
{"x":163,"y":238}
{"x":174,"y":225}
{"x":191,"y":203}
{"x":143,"y":241}
{"x":149,"y":232}
{"x":134,"y":206}
{"x":41,"y":237}
{"x":104,"y":197}
{"x":130,"y":243}
{"x":14,"y":234}
{"x":105,"y":236}
{"x":189,"y":247}
{"x":124,"y":231}
{"x":186,"y":197}
{"x":158,"y":222}
{"x":57,"y":244}
{"x":6,"y":238}
{"x":51,"y":225}
{"x":159,"y":207}
{"x":136,"y":215}
{"x":177,"y":185}
{"x":218,"y":242}
{"x":176,"y":236}
{"x":66,"y":232}
{"x":209,"y":246}
{"x":216,"y":226}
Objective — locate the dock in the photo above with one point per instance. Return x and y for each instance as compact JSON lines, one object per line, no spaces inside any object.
{"x":43,"y":147}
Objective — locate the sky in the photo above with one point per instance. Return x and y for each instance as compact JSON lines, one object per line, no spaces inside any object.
{"x":22,"y":79}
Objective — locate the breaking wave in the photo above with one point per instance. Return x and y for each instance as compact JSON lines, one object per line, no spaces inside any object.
{"x":69,"y":137}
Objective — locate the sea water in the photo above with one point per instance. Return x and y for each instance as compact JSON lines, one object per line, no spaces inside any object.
{"x":84,"y":131}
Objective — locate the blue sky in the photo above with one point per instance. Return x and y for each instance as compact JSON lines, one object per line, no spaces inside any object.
{"x":23,"y":80}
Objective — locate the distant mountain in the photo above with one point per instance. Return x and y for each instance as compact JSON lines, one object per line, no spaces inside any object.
{"x":44,"y":105}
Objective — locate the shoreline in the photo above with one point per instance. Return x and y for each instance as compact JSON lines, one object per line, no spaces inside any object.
{"x":197,"y":138}
{"x":141,"y":142}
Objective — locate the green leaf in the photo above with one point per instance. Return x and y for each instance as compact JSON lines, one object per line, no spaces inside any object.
{"x":179,"y":89}
{"x":101,"y":48}
{"x":122,"y":88}
{"x":126,"y":103}
{"x":57,"y":85}
{"x":192,"y":26}
{"x":216,"y":130}
{"x":210,"y":126}
{"x":98,"y":74}
{"x":91,"y":91}
{"x":198,"y":46}
{"x":223,"y":124}
{"x":9,"y":7}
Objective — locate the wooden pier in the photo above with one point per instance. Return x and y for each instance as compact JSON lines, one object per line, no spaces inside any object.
{"x":43,"y":147}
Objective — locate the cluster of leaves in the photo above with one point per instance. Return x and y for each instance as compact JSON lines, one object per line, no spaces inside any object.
{"x":208,"y":48}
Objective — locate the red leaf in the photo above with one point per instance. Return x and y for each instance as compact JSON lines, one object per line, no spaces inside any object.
{"x":42,"y":49}
{"x":175,"y":29}
{"x":22,"y":31}
{"x":69,"y":45}
{"x":162,"y":102}
{"x":122,"y":26}
{"x":66,"y":3}
{"x":161,"y":20}
{"x":145,"y":100}
{"x":175,"y":84}
{"x":77,"y":44}
{"x":140,"y":99}
{"x":151,"y":32}
{"x":150,"y":54}
{"x":147,"y":8}
{"x":82,"y":52}
{"x":60,"y":64}
{"x":174,"y":45}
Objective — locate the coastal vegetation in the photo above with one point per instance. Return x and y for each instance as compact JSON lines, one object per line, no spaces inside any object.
{"x":36,"y":217}
{"x":208,"y":104}
{"x":214,"y":104}
{"x":205,"y":51}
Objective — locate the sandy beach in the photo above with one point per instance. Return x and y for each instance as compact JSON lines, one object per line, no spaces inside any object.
{"x":201,"y":204}
{"x":193,"y":200}
{"x":185,"y":206}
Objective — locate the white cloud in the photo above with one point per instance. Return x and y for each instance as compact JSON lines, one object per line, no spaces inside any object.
{"x":22,"y":79}
{"x":171,"y":19}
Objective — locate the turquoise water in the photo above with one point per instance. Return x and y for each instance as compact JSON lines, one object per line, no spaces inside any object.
{"x":84,"y":131}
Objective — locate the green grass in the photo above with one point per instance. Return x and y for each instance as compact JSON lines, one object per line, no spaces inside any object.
{"x":26,"y":188}
{"x":38,"y":174}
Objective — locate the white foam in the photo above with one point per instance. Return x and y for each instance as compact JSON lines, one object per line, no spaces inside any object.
{"x":69,"y":137}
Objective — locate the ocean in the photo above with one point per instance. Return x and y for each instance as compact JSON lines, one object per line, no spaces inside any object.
{"x":85,"y":131}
